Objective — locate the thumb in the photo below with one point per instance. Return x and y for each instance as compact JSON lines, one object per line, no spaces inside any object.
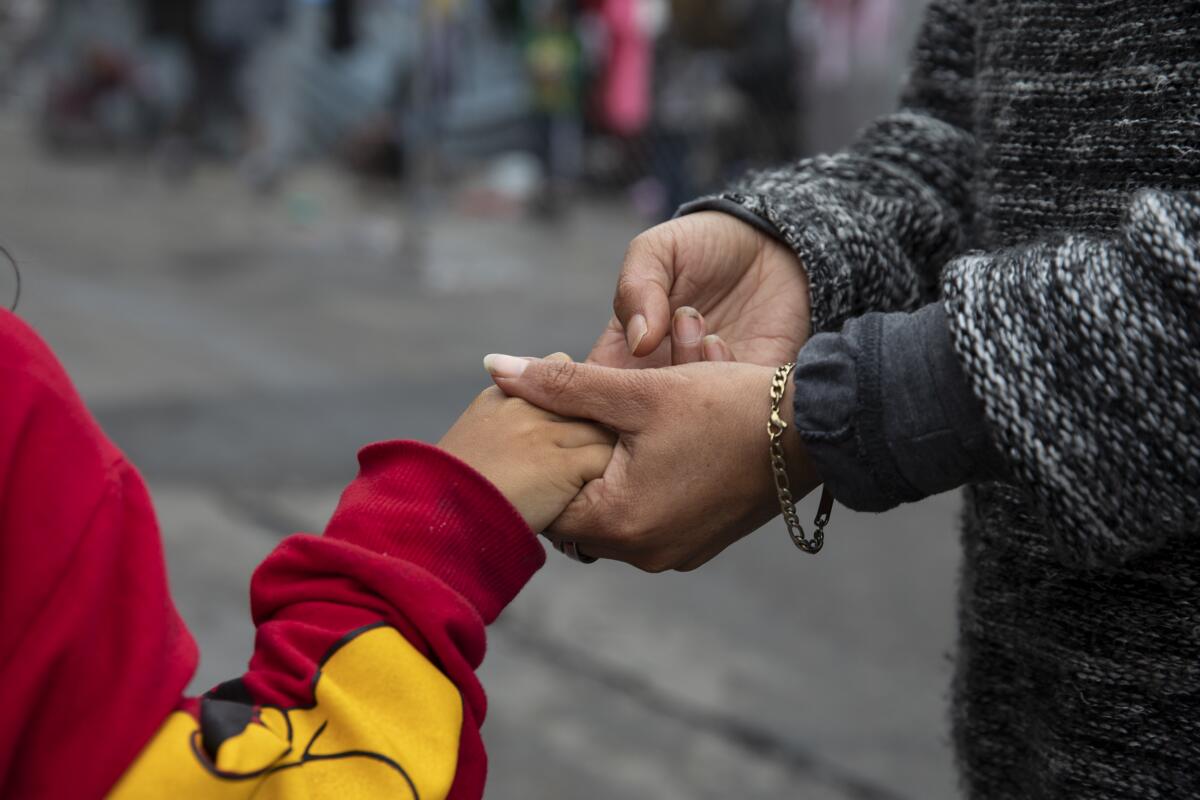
{"x":641,"y":303}
{"x":585,"y":391}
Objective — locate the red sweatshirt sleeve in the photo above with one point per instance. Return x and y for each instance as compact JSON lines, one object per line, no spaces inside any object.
{"x":362,"y":681}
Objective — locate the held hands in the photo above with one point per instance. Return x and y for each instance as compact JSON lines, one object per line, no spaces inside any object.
{"x":690,"y":473}
{"x":537,"y":459}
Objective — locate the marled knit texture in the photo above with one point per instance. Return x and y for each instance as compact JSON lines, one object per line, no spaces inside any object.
{"x":1040,"y":178}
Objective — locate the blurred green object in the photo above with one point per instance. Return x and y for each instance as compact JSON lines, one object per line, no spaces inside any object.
{"x":554,"y":56}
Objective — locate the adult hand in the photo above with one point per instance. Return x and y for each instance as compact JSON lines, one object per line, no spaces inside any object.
{"x":690,"y":473}
{"x":752,"y":290}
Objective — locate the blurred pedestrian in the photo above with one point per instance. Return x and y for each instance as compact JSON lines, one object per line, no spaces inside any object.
{"x":554,"y":58}
{"x":726,"y":88}
{"x":218,"y":38}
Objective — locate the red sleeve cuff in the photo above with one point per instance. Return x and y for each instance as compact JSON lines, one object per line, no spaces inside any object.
{"x":418,"y":503}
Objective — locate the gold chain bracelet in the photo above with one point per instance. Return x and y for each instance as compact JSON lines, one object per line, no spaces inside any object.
{"x":775,"y":428}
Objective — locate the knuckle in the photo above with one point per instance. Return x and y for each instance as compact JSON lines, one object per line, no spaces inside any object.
{"x":559,"y":377}
{"x":626,"y":294}
{"x":509,"y":408}
{"x":651,"y":245}
{"x":641,"y":245}
{"x":529,"y":431}
{"x":645,"y":389}
{"x":518,"y":407}
{"x":488,"y":397}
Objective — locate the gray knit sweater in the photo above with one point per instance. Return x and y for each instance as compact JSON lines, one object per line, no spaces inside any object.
{"x":1041,"y":180}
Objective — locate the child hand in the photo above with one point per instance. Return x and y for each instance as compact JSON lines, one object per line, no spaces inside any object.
{"x":538,"y":460}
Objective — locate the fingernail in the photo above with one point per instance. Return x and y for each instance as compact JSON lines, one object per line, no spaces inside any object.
{"x":712,"y":347}
{"x":505,"y":366}
{"x":688,"y":327}
{"x":636,"y":331}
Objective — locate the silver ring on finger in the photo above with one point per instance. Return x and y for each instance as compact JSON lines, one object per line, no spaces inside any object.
{"x":572,"y":551}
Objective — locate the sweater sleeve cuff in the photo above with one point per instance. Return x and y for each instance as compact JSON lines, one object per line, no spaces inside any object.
{"x":886,"y":413}
{"x":727,"y":206}
{"x":820,"y":243}
{"x":415,"y":502}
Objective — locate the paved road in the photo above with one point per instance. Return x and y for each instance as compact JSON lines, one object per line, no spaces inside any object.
{"x":242,"y":349}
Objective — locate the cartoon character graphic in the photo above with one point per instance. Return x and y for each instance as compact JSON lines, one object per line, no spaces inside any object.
{"x":383,"y":723}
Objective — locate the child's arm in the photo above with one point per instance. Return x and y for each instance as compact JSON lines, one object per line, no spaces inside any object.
{"x":368,"y":639}
{"x":362,"y":682}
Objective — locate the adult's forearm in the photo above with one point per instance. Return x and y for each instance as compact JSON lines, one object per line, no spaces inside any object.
{"x":1086,"y":352}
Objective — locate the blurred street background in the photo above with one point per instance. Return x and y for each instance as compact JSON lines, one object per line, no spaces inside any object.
{"x":262,"y":233}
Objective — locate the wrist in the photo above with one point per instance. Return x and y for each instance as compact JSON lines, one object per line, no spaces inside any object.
{"x":423,"y":505}
{"x":801,"y":473}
